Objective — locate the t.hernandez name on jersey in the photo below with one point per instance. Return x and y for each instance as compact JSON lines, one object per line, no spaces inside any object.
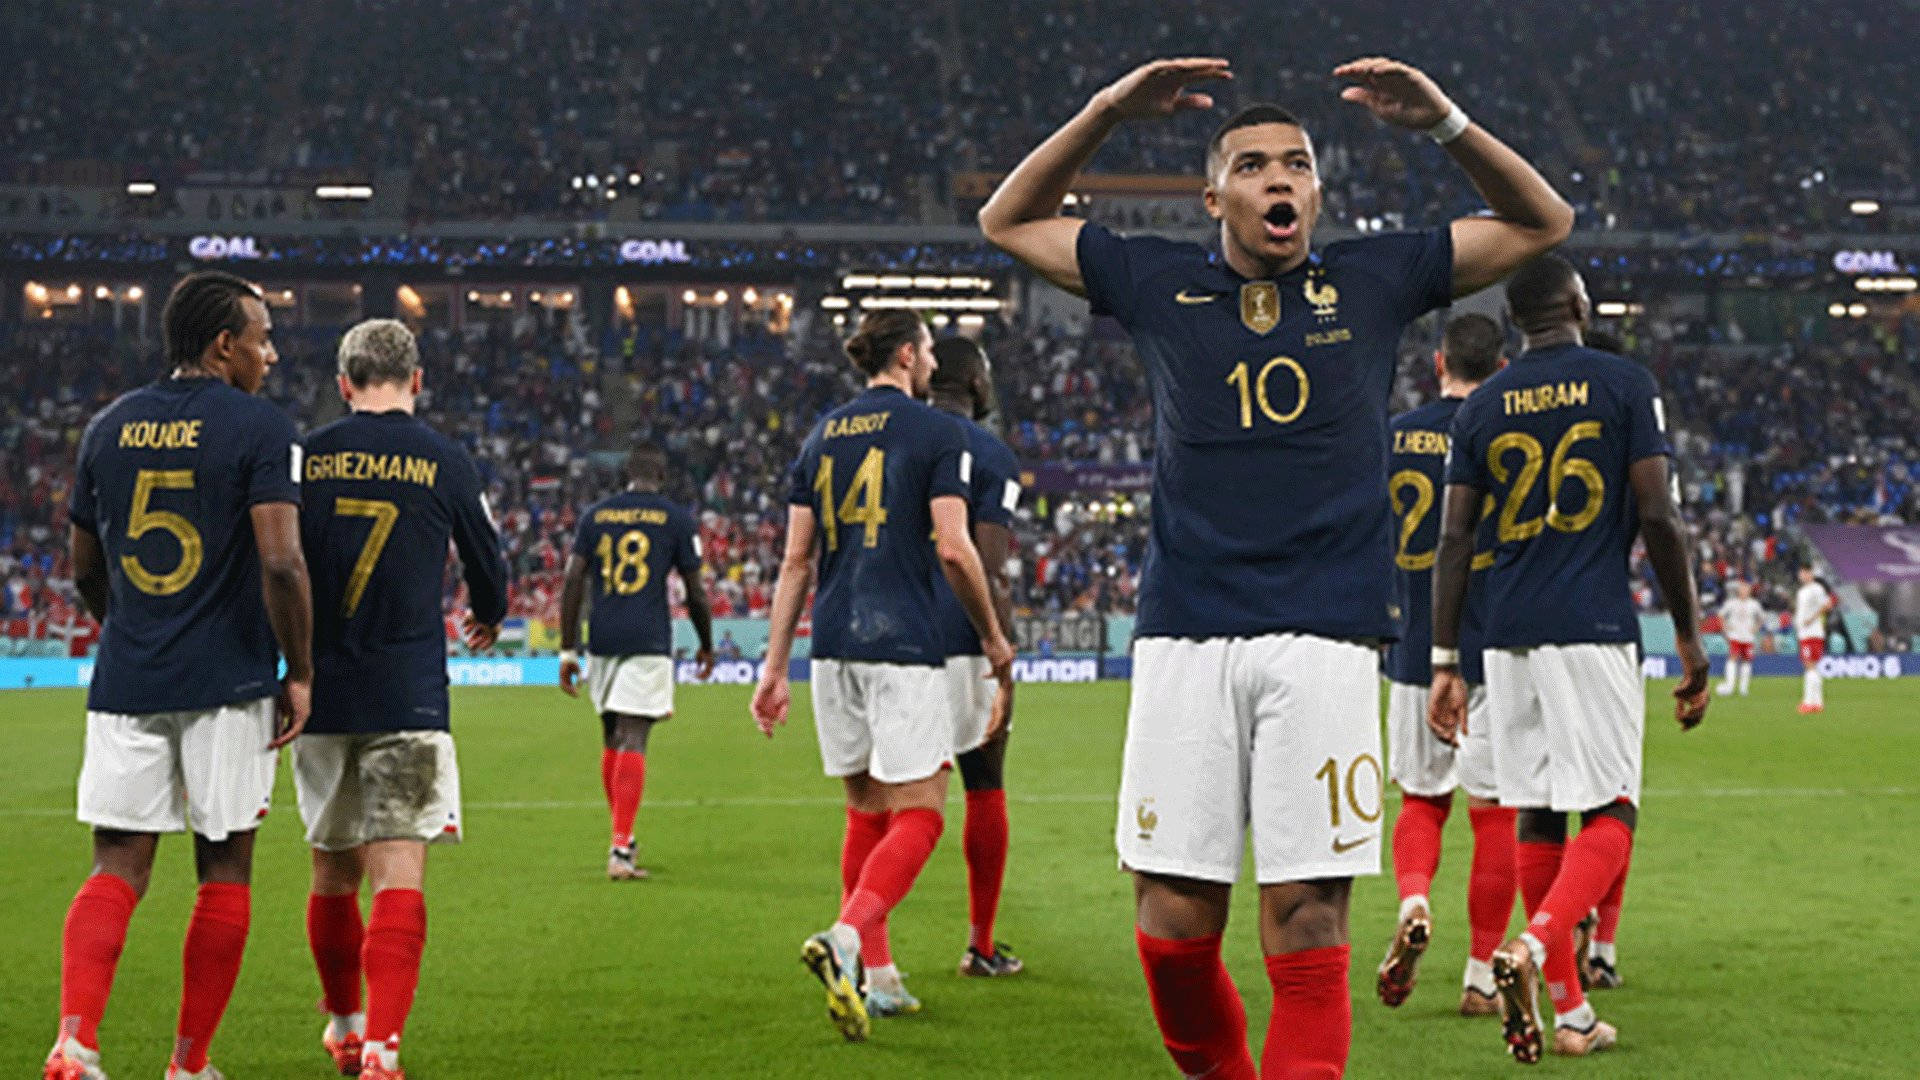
{"x":1415,"y":486}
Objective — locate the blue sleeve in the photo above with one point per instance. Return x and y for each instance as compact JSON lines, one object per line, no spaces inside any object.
{"x":799,"y":481}
{"x":1107,"y":271}
{"x":952,"y":461}
{"x":582,"y":534}
{"x":1422,"y":264}
{"x":81,"y":507}
{"x":1465,"y":463}
{"x":273,"y":468}
{"x":482,"y":562}
{"x":1646,"y":418}
{"x":996,"y":490}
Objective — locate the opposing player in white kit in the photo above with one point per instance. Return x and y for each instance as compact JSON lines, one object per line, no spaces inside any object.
{"x":1266,"y":587}
{"x":1740,"y":619}
{"x":1810,"y":607}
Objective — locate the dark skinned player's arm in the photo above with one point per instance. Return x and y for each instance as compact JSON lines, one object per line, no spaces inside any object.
{"x":995,"y":542}
{"x":573,"y":595}
{"x":284,"y":585}
{"x":699,"y":609}
{"x":1666,"y":538}
{"x":1453,"y":561}
{"x":89,"y":570}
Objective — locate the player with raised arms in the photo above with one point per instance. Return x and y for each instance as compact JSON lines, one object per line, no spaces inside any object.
{"x":1571,"y":445}
{"x":628,"y":542}
{"x":875,"y":479}
{"x":376,"y":772}
{"x":185,"y":545}
{"x":1427,"y":769}
{"x":1268,"y":576}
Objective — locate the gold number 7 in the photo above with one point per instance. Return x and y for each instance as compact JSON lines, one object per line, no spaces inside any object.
{"x":384,"y":514}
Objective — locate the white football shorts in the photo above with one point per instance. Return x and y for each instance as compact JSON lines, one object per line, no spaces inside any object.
{"x":388,"y":785}
{"x":207,"y":771}
{"x":890,"y":721}
{"x":1423,"y":765}
{"x":634,"y":685}
{"x":1279,"y":732}
{"x":1568,"y":724}
{"x":970,"y":695}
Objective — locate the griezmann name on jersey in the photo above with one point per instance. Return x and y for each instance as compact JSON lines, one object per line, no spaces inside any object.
{"x":629,"y":541}
{"x":1270,"y":414}
{"x":166,"y":479}
{"x":1551,"y":437}
{"x":1416,"y":486}
{"x":994,"y":493}
{"x":869,"y":470}
{"x":384,"y":495}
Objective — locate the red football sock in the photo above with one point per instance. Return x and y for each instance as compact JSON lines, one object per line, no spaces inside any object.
{"x":1312,"y":1025}
{"x":889,"y":872}
{"x":396,"y":936}
{"x":864,"y":833}
{"x":985,"y":842}
{"x":606,"y":776}
{"x":1535,"y":866}
{"x":1595,"y":859}
{"x":1490,"y":885}
{"x":216,"y":939}
{"x":1202,"y":1021}
{"x":1416,"y":842}
{"x":334,"y":933}
{"x":1610,"y":905}
{"x":90,"y":946}
{"x":629,"y":779}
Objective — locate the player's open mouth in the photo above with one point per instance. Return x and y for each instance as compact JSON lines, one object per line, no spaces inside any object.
{"x":1282,"y":221}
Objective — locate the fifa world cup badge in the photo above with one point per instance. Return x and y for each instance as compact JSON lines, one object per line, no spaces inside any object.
{"x":1260,"y":306}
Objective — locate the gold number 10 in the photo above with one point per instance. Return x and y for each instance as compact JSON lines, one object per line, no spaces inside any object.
{"x":1330,"y":772}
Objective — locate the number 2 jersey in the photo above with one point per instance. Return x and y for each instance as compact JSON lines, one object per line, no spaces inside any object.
{"x":384,"y":495}
{"x":1270,"y":424}
{"x":869,"y":471}
{"x":167,"y":478}
{"x":1551,"y":437}
{"x":630,"y":541}
{"x":1415,"y":486}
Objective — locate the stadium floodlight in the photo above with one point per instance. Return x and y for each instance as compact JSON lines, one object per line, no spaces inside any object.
{"x":73,"y":292}
{"x":1858,"y":311}
{"x":1611,"y":307}
{"x":135,"y":292}
{"x":1864,"y":207}
{"x":1838,"y":311}
{"x":142,"y":188}
{"x":835,"y":303}
{"x":859,"y":281}
{"x":633,"y":179}
{"x":750,"y":297}
{"x":720,"y":296}
{"x":689,"y":296}
{"x":343,"y":191}
{"x":895,"y":281}
{"x":101,"y":292}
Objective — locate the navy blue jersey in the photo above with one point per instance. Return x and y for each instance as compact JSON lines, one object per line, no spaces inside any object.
{"x":869,"y":470}
{"x":1270,"y":418}
{"x":630,"y":541}
{"x":1551,"y":438}
{"x":384,"y":495}
{"x":166,"y":478}
{"x":1416,"y":487}
{"x":994,"y":491}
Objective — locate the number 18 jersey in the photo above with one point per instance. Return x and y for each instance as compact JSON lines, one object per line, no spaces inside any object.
{"x":868,"y":471}
{"x":630,"y":541}
{"x":1551,"y":437}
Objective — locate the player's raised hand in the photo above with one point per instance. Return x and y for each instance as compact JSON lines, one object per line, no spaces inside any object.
{"x":1398,"y":93}
{"x":570,"y":676}
{"x":771,"y":700}
{"x":703,"y":664}
{"x":1159,"y":87}
{"x":1690,"y":697}
{"x":478,"y":635}
{"x":1447,"y":706}
{"x":294,"y":705}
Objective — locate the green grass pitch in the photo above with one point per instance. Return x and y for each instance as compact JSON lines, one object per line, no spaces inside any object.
{"x":1769,"y":926}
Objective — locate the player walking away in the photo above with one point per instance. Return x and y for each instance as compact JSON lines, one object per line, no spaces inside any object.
{"x":628,"y":542}
{"x":1810,"y":607}
{"x":376,"y":772}
{"x":1570,"y":443}
{"x":186,"y":546}
{"x":963,"y":385}
{"x":1427,"y":769}
{"x":874,"y":480}
{"x":1740,"y":617}
{"x":1267,"y":585}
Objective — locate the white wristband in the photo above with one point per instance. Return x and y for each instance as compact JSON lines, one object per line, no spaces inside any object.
{"x":568,"y":656}
{"x":1450,"y":126}
{"x":1445,"y":657}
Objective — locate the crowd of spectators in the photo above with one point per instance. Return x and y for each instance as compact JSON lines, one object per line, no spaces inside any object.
{"x":790,"y":110}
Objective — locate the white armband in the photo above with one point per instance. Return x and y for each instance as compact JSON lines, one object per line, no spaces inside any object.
{"x":1450,"y":126}
{"x":1445,"y":657}
{"x":568,"y":656}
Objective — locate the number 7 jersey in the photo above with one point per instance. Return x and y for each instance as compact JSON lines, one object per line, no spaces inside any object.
{"x":1551,"y":437}
{"x":869,"y":471}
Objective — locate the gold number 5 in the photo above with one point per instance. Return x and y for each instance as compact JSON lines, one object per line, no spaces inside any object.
{"x":143,"y":519}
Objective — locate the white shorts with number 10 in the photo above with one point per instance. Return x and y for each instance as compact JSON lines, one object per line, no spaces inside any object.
{"x":1279,"y":732}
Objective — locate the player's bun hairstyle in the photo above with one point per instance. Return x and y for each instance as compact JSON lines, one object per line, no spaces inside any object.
{"x":379,"y":352}
{"x":961,"y":360}
{"x":647,"y":464}
{"x":1472,"y":345}
{"x":1261,"y":112}
{"x":880,"y":335}
{"x":1538,"y":291}
{"x":199,"y":308}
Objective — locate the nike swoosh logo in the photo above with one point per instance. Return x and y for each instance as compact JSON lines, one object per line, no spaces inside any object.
{"x":1341,"y":847}
{"x":1185,"y":297}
